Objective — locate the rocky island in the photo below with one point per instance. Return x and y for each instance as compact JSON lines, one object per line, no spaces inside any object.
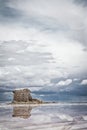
{"x":23,"y":96}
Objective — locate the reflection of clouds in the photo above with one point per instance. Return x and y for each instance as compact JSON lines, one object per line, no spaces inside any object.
{"x":85,"y":117}
{"x":22,"y":111}
{"x":43,"y":117}
{"x":64,"y":117}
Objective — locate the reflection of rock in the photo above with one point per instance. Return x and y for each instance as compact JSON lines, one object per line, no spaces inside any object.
{"x":22,"y":111}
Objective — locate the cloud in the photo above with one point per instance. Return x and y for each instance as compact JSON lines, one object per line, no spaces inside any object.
{"x":26,"y":64}
{"x":84,"y":82}
{"x":46,"y":17}
{"x":28,"y":57}
{"x":31,"y":63}
{"x":60,"y":20}
{"x":42,"y":41}
{"x":75,"y":79}
{"x":64,"y":83}
{"x":83,"y":2}
{"x":64,"y":20}
{"x":8,"y":14}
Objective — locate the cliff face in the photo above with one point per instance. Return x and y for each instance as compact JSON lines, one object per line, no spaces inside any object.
{"x":22,"y":95}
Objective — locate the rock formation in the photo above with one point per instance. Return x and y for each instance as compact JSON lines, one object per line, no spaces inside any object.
{"x":24,"y":96}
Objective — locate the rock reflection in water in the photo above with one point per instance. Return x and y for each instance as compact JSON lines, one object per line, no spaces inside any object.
{"x":22,"y":111}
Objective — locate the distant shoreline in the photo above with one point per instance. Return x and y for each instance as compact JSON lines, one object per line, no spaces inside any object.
{"x":47,"y":103}
{"x":32,"y":102}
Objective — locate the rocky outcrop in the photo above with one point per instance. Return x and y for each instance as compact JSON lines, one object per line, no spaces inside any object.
{"x":24,"y":96}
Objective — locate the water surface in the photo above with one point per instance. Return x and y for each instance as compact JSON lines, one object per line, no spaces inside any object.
{"x":49,"y":116}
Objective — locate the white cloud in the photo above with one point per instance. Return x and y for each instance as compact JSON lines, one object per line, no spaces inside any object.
{"x":11,"y":58}
{"x":16,"y":32}
{"x":39,"y":64}
{"x":75,"y":79}
{"x":64,"y":82}
{"x":84,"y":82}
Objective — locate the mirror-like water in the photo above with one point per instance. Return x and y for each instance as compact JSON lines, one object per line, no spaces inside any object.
{"x":48,"y":117}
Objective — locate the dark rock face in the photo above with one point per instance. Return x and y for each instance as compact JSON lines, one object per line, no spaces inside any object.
{"x":22,"y":95}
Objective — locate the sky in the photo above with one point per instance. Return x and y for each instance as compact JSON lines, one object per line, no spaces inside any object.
{"x":43,"y":45}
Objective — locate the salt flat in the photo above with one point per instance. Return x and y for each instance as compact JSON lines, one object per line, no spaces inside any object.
{"x":60,"y":116}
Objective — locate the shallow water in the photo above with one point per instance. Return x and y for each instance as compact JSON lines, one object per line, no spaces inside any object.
{"x":48,"y":117}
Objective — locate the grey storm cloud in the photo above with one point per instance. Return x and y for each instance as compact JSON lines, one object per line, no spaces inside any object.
{"x":82,"y":2}
{"x":8,"y":14}
{"x":15,"y":15}
{"x":66,"y":18}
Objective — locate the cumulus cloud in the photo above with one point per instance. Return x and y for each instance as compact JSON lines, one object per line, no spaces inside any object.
{"x":84,"y":82}
{"x":64,"y":82}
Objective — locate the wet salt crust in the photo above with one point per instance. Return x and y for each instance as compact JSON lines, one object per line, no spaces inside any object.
{"x":47,"y":116}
